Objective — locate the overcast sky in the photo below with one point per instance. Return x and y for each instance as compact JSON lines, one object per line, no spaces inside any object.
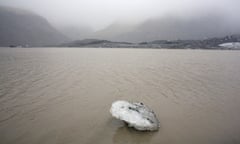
{"x":100,"y":13}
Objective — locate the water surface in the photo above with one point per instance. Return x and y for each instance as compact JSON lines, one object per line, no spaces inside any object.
{"x":64,"y":95}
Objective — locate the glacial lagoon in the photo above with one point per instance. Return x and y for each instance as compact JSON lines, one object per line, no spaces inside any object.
{"x":63,"y":95}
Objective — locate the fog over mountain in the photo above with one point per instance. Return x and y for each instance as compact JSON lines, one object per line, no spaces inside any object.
{"x":76,"y":33}
{"x":25,"y":28}
{"x":172,"y":28}
{"x":137,"y":20}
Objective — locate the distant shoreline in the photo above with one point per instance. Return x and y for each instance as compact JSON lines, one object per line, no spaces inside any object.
{"x":224,"y":43}
{"x":118,"y":48}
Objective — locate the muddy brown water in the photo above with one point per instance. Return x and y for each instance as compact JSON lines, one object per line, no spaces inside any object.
{"x":63,"y":96}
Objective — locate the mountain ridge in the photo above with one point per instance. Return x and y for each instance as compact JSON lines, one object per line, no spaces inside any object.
{"x":174,"y":28}
{"x":26,"y":28}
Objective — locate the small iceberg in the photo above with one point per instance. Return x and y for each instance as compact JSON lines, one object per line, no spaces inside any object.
{"x":136,"y":115}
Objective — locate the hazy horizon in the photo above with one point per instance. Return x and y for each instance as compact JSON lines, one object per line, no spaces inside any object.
{"x":97,"y":15}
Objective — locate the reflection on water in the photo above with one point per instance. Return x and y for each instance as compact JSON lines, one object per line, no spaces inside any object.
{"x":123,"y":134}
{"x":130,"y":136}
{"x":64,"y":95}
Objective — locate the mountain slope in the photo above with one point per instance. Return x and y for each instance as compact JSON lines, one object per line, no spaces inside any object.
{"x":174,"y":28}
{"x":113,"y":31}
{"x":76,"y":33}
{"x":21,"y":27}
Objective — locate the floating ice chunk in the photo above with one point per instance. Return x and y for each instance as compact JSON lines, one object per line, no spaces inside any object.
{"x":136,"y":115}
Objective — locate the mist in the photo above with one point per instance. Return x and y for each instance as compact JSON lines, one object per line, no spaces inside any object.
{"x":98,"y":14}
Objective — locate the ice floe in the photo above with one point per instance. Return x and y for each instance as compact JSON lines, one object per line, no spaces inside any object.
{"x":136,"y":115}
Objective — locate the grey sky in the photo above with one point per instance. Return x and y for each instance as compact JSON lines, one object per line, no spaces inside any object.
{"x":100,"y":13}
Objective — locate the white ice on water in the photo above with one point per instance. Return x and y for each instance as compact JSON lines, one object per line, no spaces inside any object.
{"x":136,"y":115}
{"x":233,"y":45}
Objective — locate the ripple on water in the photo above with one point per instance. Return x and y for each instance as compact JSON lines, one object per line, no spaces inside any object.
{"x":64,"y":95}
